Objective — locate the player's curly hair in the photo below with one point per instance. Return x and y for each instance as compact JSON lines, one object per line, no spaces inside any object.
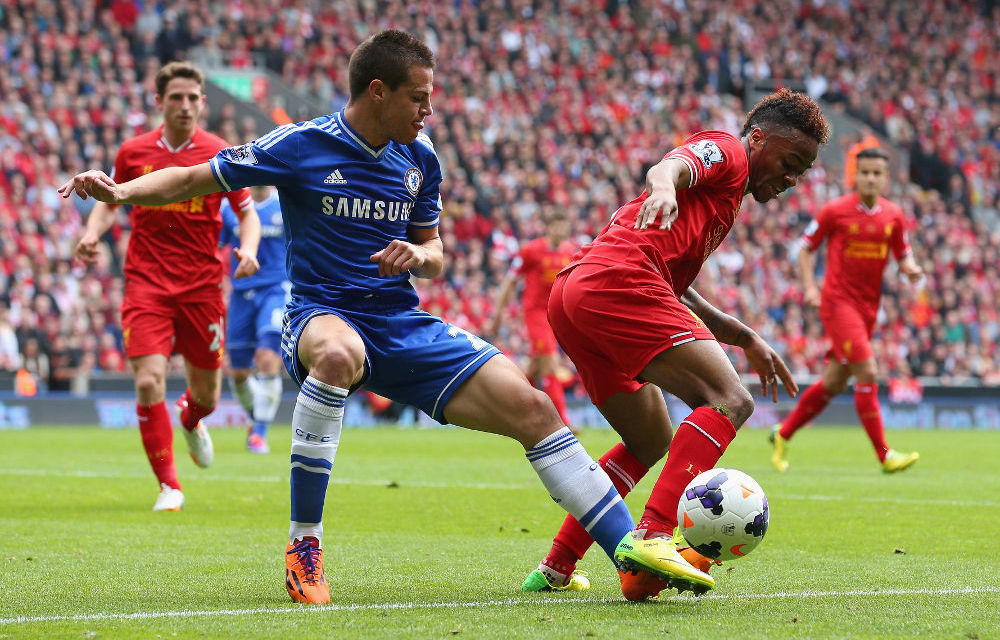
{"x":789,"y":109}
{"x":386,"y":56}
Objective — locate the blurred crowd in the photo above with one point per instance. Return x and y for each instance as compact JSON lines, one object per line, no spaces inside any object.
{"x":538,"y":105}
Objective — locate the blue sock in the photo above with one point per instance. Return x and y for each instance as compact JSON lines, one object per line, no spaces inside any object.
{"x":580,"y":486}
{"x":260,"y":428}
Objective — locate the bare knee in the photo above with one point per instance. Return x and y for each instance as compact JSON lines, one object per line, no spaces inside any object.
{"x":532,"y":417}
{"x":149,"y":385}
{"x":737,"y":405}
{"x":334,"y":363}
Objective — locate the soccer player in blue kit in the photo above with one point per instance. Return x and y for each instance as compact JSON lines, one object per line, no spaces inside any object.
{"x":360,"y":197}
{"x":253,"y":320}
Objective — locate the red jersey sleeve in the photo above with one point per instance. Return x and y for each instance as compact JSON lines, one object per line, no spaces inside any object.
{"x":898,"y":242}
{"x":239,"y":200}
{"x":819,"y":229}
{"x":710,"y":159}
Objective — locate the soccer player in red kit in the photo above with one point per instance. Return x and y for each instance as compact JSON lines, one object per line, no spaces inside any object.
{"x":537,"y":263}
{"x":625,"y":313}
{"x":173,"y":277}
{"x":861,"y":229}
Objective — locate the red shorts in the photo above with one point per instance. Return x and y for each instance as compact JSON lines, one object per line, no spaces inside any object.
{"x":612,"y":322}
{"x":543,"y":342}
{"x":163,"y":324}
{"x":850,"y":330}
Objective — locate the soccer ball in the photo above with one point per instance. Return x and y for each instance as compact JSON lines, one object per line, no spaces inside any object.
{"x":723,"y":514}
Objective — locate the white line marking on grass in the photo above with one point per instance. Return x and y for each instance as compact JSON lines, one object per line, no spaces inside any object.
{"x":528,"y":485}
{"x":396,"y":606}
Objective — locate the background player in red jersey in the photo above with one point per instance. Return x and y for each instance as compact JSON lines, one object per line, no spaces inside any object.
{"x":861,"y":229}
{"x":624,"y":312}
{"x":173,"y":276}
{"x":537,"y":263}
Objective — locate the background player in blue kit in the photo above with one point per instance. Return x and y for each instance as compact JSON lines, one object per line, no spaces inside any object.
{"x":360,"y":198}
{"x":253,"y":319}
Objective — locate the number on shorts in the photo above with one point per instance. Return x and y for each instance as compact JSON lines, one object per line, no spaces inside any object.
{"x":477,"y":342}
{"x":216,"y":330}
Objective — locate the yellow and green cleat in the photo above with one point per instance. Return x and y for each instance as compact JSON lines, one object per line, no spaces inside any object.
{"x":778,"y":450}
{"x":536,"y":581}
{"x":660,"y":557}
{"x":897,"y":460}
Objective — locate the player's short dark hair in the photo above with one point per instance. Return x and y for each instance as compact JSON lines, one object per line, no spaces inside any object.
{"x":173,"y":70}
{"x":874,"y":152}
{"x":386,"y":56}
{"x":557,"y":215}
{"x":786,"y":108}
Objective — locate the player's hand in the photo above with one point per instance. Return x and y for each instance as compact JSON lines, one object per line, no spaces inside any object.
{"x":769,"y":366}
{"x":662,"y":201}
{"x":398,"y":258}
{"x":92,"y":184}
{"x":86,"y":250}
{"x":811,"y":296}
{"x":914,"y":272}
{"x":248,"y":264}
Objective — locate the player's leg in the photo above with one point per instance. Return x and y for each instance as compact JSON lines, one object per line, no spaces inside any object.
{"x":200,"y":337}
{"x":148,"y":333}
{"x":155,"y":429}
{"x":267,"y":398}
{"x":545,"y":359}
{"x":498,"y":399}
{"x":197,"y":402}
{"x":870,"y":413}
{"x":700,"y":374}
{"x":267,"y":358}
{"x":811,"y":403}
{"x":642,"y":420}
{"x":241,"y":341}
{"x":327,"y":357}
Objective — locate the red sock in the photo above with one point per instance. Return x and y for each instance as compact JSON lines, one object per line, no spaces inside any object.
{"x":158,"y":441}
{"x":554,"y":389}
{"x":811,"y":404}
{"x":700,"y":441}
{"x":572,"y":541}
{"x":193,"y":412}
{"x":870,"y":413}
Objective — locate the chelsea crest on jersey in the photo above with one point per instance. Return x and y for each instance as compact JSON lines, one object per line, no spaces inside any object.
{"x":342,"y":200}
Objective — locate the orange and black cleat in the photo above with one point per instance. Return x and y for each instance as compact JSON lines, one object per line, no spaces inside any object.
{"x":304,"y":577}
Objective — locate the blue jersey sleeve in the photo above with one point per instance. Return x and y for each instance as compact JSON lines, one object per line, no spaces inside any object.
{"x":267,"y":160}
{"x":427,"y":208}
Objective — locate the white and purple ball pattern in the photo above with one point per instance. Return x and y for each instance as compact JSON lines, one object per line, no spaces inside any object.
{"x":723,"y":514}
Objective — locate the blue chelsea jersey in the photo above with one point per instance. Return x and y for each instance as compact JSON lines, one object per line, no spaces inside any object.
{"x":342,"y":201}
{"x":270,"y":253}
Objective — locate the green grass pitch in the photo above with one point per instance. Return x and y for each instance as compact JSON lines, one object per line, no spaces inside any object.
{"x":429,"y":534}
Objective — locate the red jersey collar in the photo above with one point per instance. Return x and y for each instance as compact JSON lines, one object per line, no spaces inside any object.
{"x":162,"y":142}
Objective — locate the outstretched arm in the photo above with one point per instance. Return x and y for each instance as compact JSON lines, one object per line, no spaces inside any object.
{"x":909,"y":267}
{"x":249,"y":241}
{"x":807,"y":274}
{"x":101,"y":217}
{"x":173,"y":184}
{"x":662,"y":182}
{"x":729,"y":330}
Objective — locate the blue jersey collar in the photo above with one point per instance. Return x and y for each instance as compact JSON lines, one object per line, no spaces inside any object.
{"x":342,"y":121}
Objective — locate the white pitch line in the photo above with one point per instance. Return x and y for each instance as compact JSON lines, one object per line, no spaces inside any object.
{"x":528,"y":485}
{"x":397,"y":606}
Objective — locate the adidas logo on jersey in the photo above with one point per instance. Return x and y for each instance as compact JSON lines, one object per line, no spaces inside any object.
{"x":335,"y":178}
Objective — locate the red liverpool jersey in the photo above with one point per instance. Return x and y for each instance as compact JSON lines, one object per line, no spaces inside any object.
{"x":174,"y":248}
{"x":539,"y":264}
{"x":859,"y":243}
{"x":706,"y":211}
